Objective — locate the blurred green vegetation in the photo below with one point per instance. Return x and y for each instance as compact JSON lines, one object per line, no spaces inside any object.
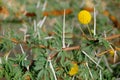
{"x":31,"y":44}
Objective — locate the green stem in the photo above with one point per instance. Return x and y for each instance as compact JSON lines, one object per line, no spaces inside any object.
{"x":89,"y":30}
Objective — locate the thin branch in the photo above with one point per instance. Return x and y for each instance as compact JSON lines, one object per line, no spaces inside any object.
{"x":108,"y":38}
{"x":112,"y":37}
{"x":40,"y":23}
{"x":99,"y":61}
{"x":7,"y":55}
{"x":35,"y":26}
{"x":51,"y":66}
{"x":115,"y":56}
{"x":92,"y":59}
{"x":63,"y":36}
{"x":44,"y":5}
{"x":89,"y":30}
{"x":71,"y":48}
{"x":51,"y":56}
{"x":104,"y":52}
{"x":82,"y":31}
{"x":22,"y":49}
{"x":89,"y":71}
{"x":49,"y":37}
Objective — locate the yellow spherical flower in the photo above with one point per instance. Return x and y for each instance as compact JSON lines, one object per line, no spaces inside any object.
{"x":84,"y":17}
{"x":73,"y":70}
{"x":111,"y":52}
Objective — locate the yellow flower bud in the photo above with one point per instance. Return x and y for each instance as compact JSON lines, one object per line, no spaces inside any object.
{"x":74,"y":70}
{"x":84,"y":17}
{"x":111,"y":52}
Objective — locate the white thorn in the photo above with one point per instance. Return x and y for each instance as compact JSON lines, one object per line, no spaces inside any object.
{"x":63,"y":37}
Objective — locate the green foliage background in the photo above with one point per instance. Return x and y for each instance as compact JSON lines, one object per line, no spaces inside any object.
{"x":32,"y":63}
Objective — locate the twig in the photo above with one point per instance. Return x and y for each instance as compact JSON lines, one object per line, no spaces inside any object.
{"x":51,"y":66}
{"x":35,"y":26}
{"x":40,"y":24}
{"x":112,"y":37}
{"x":44,"y":5}
{"x":51,"y":56}
{"x":49,"y":37}
{"x":63,"y":36}
{"x":109,"y":37}
{"x":71,"y":48}
{"x":24,"y":30}
{"x":104,"y":52}
{"x":91,"y":59}
{"x":51,"y":48}
{"x":82,"y":31}
{"x":35,"y":29}
{"x":24,"y":53}
{"x":7,"y":54}
{"x":99,"y":61}
{"x":115,"y":56}
{"x":22,"y":49}
{"x":89,"y":30}
{"x":89,"y":71}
